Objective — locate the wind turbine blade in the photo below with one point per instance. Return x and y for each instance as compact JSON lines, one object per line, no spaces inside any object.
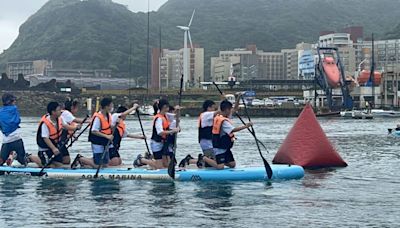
{"x":190,"y":40}
{"x":191,"y":19}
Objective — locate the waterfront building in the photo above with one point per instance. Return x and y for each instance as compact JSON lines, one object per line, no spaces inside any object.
{"x":252,"y":64}
{"x":167,"y":67}
{"x":35,"y":67}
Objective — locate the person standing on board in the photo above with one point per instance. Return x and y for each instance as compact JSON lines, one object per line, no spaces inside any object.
{"x":48,"y":136}
{"x":223,"y":137}
{"x":9,"y":127}
{"x":121,"y":132}
{"x":158,"y":144}
{"x":100,"y":134}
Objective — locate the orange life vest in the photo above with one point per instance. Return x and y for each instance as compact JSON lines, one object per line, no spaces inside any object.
{"x":221,"y":141}
{"x":119,"y":133}
{"x":165,"y":124}
{"x":121,"y":127}
{"x":55,"y":131}
{"x":105,"y":128}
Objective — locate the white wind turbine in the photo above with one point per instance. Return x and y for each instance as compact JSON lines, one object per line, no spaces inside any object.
{"x":186,"y":34}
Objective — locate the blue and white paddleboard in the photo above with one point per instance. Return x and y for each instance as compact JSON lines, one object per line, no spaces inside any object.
{"x":280,"y":172}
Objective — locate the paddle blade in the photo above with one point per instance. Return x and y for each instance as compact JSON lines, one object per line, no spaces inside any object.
{"x":171,"y":168}
{"x":268,"y":168}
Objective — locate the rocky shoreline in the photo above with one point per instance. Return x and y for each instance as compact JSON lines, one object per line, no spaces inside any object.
{"x":33,"y":103}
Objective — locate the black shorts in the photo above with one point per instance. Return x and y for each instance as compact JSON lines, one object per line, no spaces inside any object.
{"x":64,"y":151}
{"x":225,"y":157}
{"x":168,"y":150}
{"x":97,"y":158}
{"x":18,"y":147}
{"x":114,"y":153}
{"x":158,"y":155}
{"x":49,"y":153}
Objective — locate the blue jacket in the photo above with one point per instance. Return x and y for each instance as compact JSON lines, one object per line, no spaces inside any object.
{"x":9,"y":119}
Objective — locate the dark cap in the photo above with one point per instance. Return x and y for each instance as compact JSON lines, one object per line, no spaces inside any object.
{"x":8,"y":99}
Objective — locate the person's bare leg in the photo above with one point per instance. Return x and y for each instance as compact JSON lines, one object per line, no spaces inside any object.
{"x":193,"y":161}
{"x":115,"y":161}
{"x":55,"y":164}
{"x":66,"y":160}
{"x":35,"y":159}
{"x":211,"y":162}
{"x":165,"y":161}
{"x":87,"y":162}
{"x":154,"y":164}
{"x":231,"y":164}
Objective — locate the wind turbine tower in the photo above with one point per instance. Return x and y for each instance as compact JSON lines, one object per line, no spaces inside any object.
{"x":186,"y":35}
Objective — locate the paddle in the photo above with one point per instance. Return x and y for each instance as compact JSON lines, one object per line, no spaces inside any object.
{"x":80,"y":133}
{"x":266,"y":164}
{"x":171,"y":165}
{"x":106,"y":148}
{"x":141,"y":126}
{"x":61,"y":146}
{"x":238,"y":116}
{"x":390,"y":130}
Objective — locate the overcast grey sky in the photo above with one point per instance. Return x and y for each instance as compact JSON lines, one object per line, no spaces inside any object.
{"x":15,"y":12}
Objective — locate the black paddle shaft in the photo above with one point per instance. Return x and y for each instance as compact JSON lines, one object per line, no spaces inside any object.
{"x":171,"y":165}
{"x":80,"y":133}
{"x":266,"y":164}
{"x":240,"y":118}
{"x":106,"y":148}
{"x":268,"y":168}
{"x":141,"y":126}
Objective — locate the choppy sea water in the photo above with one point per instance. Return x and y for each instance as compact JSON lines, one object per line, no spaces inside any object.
{"x":366,"y":193}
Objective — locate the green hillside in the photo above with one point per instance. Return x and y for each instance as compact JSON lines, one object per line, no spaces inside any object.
{"x":97,"y":33}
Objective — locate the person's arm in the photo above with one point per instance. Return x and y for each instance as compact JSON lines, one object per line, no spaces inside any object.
{"x":237,"y":102}
{"x":96,"y":131}
{"x":177,"y":113}
{"x":236,"y":129}
{"x":80,"y":120}
{"x":127,"y":112}
{"x":160,"y":130}
{"x":46,"y":138}
{"x":51,"y":146}
{"x":217,"y":113}
{"x":134,"y":136}
{"x":71,"y":127}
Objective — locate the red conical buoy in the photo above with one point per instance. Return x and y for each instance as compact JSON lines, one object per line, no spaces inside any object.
{"x":307,"y":145}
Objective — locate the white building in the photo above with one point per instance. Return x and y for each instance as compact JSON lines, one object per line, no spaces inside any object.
{"x":170,"y":68}
{"x":335,"y":40}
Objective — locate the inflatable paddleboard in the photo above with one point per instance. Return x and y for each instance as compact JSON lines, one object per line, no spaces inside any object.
{"x":280,"y":172}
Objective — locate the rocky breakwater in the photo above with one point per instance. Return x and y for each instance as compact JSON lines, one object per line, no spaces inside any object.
{"x":33,"y":103}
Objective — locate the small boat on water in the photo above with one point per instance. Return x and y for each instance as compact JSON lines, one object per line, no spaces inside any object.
{"x":146,"y":110}
{"x":346,"y":114}
{"x":328,"y":114}
{"x":385,"y":113}
{"x":362,"y":115}
{"x":356,"y":114}
{"x":280,"y":172}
